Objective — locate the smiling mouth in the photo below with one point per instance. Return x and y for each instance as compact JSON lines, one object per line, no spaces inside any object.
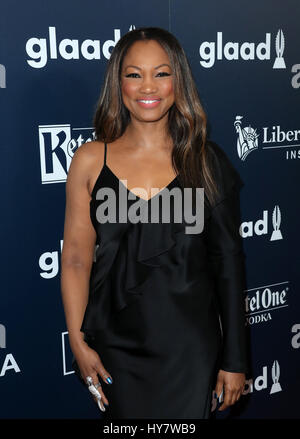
{"x":148,"y":103}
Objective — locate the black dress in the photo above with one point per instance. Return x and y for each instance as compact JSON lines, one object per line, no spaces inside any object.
{"x":156,"y":294}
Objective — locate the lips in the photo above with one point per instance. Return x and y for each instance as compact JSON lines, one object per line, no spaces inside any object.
{"x":149,"y":102}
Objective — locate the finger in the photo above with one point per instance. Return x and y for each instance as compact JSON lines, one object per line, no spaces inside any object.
{"x":100,"y":401}
{"x":95,"y":379}
{"x":97,"y":392}
{"x":219,"y":388}
{"x":227,"y":400}
{"x":104,"y":374}
{"x":99,"y":388}
{"x":219,"y":392}
{"x":234,"y":397}
{"x":103,"y":397}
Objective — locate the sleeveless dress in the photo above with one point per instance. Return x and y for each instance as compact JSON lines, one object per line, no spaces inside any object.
{"x":166,"y":308}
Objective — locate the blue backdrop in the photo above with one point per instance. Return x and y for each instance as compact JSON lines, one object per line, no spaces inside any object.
{"x":246,"y":63}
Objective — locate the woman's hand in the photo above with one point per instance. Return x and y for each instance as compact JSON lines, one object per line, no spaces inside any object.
{"x":90,"y":364}
{"x":233,"y":384}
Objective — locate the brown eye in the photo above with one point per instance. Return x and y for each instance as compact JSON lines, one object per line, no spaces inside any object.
{"x":164,"y":73}
{"x":130,"y":75}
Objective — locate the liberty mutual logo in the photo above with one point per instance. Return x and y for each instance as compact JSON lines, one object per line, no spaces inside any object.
{"x":271,"y":138}
{"x":247,"y":138}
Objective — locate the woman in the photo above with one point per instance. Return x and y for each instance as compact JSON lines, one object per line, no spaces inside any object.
{"x":155,"y":316}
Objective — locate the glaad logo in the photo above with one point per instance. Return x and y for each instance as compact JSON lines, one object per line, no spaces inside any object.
{"x":247,"y":229}
{"x":58,"y":144}
{"x":259,"y":383}
{"x":67,"y":48}
{"x":246,"y":51}
{"x":9,"y":361}
{"x":2,"y":76}
{"x":296,"y":338}
{"x":261,"y":301}
{"x":247,"y":139}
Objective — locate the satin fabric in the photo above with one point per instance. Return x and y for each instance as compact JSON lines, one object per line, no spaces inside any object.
{"x":166,"y":308}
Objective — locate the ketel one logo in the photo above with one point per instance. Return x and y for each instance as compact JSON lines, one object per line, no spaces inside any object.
{"x":58,"y":144}
{"x":262,"y":301}
{"x":260,"y":227}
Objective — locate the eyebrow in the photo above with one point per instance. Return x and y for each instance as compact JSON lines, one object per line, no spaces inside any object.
{"x":136,"y":67}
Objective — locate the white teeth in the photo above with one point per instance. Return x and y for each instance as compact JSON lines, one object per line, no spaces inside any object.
{"x":148,"y":102}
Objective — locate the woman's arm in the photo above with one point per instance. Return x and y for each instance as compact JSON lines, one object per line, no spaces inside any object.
{"x":226,"y":256}
{"x":78,"y":245}
{"x":227,"y":259}
{"x":77,"y":259}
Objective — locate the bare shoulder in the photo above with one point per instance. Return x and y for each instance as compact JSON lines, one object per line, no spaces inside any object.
{"x":86,"y":160}
{"x":89,"y":151}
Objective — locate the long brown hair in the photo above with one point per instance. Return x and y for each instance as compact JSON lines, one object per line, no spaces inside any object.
{"x":187,"y":120}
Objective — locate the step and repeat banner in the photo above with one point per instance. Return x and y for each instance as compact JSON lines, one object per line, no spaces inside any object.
{"x":246,"y":62}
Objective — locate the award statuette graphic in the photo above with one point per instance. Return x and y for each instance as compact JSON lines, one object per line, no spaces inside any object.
{"x":276,"y":387}
{"x":279,"y":62}
{"x":247,"y":138}
{"x":276,"y":220}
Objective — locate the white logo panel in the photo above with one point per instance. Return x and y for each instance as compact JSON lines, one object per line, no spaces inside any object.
{"x":58,"y":144}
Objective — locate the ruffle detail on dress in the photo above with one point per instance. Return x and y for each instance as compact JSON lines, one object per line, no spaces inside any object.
{"x":143,"y":251}
{"x":124,"y":262}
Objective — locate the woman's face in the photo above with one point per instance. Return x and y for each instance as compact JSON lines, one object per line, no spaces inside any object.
{"x":147,"y":76}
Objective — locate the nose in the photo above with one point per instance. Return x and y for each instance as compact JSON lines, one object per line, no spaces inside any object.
{"x":148,"y":85}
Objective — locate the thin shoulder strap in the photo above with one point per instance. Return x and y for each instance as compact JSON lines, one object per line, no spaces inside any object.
{"x":105,"y":154}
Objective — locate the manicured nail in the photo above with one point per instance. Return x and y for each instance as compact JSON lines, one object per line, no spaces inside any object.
{"x":109,"y":380}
